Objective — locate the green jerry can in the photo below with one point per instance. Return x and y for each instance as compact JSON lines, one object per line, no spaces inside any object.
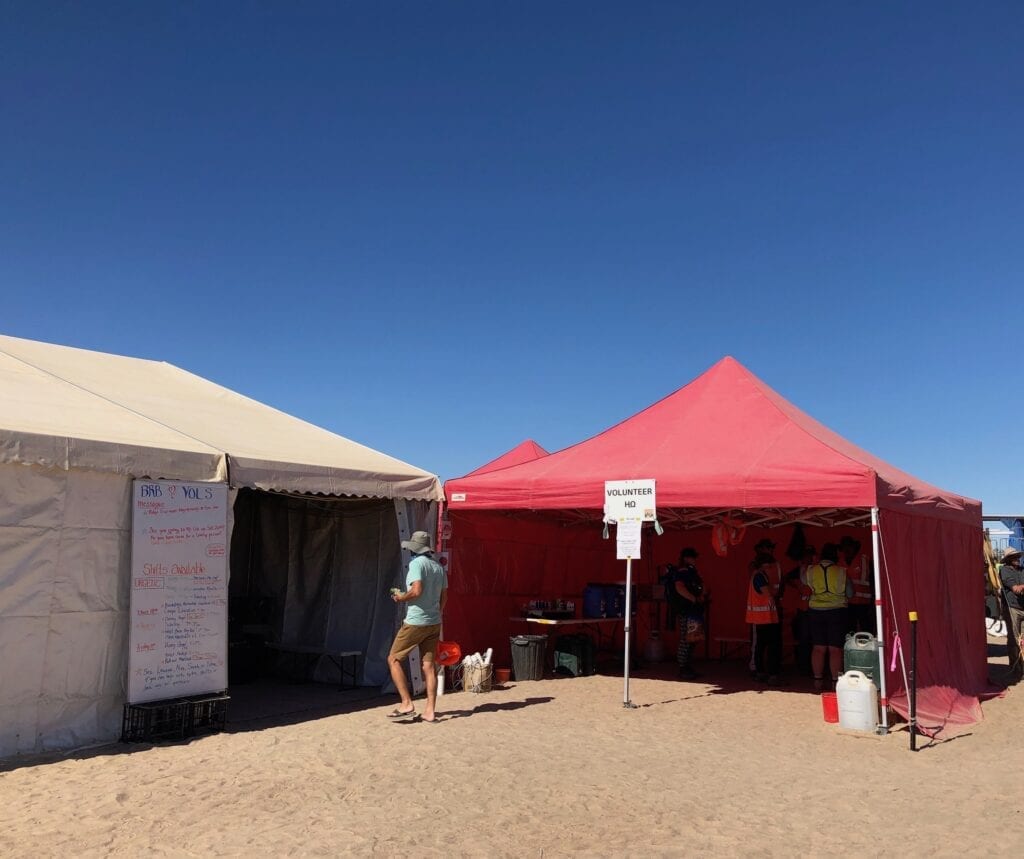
{"x":861,"y":654}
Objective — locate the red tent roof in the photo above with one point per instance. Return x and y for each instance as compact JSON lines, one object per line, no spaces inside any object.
{"x":724,"y":440}
{"x":526,"y":451}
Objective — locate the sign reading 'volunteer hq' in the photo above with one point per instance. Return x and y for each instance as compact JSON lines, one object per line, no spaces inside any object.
{"x":629,"y":499}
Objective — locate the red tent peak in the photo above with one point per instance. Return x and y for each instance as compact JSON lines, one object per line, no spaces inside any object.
{"x":525,"y":451}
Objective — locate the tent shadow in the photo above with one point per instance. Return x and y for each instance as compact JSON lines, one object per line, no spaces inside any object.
{"x":493,"y":708}
{"x":723,"y":678}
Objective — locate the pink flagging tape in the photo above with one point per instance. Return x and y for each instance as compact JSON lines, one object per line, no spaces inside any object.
{"x":897,"y":646}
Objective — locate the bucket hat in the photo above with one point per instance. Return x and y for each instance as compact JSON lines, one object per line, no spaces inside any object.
{"x":1010,"y":553}
{"x":419,"y":543}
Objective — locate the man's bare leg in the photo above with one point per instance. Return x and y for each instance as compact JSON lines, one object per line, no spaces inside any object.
{"x":430,"y":678}
{"x":401,"y":685}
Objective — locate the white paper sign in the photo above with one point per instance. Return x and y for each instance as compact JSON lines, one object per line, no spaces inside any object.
{"x":627,"y":539}
{"x":629,"y":499}
{"x":178,"y":624}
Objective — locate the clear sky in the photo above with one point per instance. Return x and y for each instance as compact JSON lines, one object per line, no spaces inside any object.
{"x":442,"y":228}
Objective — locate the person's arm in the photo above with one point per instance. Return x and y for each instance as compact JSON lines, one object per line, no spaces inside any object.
{"x":684,"y":591}
{"x":444,"y":599}
{"x":413,"y":581}
{"x":760,"y":582}
{"x":1018,"y":586}
{"x":415,"y":590}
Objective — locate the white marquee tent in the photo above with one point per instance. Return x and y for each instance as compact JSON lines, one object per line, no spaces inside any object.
{"x":76,"y":427}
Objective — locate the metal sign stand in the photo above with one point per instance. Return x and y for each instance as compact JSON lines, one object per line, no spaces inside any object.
{"x":625,"y":673}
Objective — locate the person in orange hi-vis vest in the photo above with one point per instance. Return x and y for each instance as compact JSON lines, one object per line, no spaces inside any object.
{"x":763,"y":615}
{"x":859,"y":572}
{"x":765,"y":547}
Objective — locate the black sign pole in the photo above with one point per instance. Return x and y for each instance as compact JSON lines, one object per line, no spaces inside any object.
{"x":913,"y":681}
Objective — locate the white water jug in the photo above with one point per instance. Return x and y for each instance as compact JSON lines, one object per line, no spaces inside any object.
{"x":857,"y":697}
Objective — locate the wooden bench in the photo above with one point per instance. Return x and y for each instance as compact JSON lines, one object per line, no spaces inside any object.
{"x":346,"y":661}
{"x":727,"y":644}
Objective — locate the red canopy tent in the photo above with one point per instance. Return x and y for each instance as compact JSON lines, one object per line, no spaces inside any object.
{"x":525,"y":451}
{"x":727,"y":445}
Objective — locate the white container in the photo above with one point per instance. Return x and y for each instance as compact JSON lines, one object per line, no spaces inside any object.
{"x":857,"y":697}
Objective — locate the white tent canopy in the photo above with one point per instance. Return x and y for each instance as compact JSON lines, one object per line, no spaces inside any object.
{"x":76,"y":427}
{"x":67,"y":407}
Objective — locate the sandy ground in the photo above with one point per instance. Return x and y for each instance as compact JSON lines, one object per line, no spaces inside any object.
{"x":550,"y":768}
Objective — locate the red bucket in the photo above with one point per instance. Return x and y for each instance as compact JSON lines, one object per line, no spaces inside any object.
{"x":830,"y":707}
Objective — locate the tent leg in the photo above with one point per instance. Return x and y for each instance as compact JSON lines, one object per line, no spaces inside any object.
{"x":882,"y":690}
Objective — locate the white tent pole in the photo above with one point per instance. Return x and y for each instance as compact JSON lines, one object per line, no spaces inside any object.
{"x":629,"y":608}
{"x":884,"y":728}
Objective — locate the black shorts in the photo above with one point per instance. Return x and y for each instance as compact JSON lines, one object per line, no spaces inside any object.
{"x":828,"y":626}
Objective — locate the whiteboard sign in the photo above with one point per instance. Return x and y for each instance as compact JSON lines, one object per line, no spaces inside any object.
{"x":629,"y":499}
{"x":178,"y":627}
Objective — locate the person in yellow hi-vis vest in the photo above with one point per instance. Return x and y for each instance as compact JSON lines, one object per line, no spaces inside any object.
{"x":827,"y":608}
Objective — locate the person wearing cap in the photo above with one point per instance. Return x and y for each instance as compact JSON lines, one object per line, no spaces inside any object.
{"x":1011,"y":578}
{"x":425,"y":595}
{"x":861,"y":614}
{"x":763,"y":616}
{"x":796,"y":579}
{"x":689,"y":607}
{"x":765,"y":549}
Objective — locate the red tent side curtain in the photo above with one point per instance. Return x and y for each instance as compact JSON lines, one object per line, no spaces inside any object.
{"x":935,"y":568}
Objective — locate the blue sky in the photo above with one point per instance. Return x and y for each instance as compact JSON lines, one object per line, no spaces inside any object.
{"x":441,"y":228}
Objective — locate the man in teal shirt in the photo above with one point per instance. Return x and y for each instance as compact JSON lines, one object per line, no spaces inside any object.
{"x":425,"y":595}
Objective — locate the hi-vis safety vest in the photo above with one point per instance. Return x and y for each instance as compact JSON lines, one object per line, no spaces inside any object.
{"x":828,"y":585}
{"x":761,"y":607}
{"x":862,"y":585}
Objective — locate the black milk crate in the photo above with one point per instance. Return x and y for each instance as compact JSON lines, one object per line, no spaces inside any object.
{"x":153,"y":721}
{"x":174,"y":719}
{"x":208,"y":714}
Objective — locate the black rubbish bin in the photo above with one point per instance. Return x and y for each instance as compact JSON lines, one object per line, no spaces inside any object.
{"x":528,"y":656}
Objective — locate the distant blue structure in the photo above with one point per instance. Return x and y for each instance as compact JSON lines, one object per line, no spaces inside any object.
{"x":1005,"y":532}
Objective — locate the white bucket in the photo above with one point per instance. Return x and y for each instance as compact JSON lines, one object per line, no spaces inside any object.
{"x":858,"y":702}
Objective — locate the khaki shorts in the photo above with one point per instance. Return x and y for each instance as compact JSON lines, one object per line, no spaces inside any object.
{"x":410,"y":637}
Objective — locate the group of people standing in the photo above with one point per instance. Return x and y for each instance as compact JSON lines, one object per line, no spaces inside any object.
{"x":836,"y":598}
{"x":833,"y":596}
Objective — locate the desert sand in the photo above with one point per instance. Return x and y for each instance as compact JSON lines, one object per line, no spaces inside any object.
{"x":555,"y":767}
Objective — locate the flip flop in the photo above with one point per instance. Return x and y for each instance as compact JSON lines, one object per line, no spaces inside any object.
{"x":433,"y":721}
{"x":400,"y":714}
